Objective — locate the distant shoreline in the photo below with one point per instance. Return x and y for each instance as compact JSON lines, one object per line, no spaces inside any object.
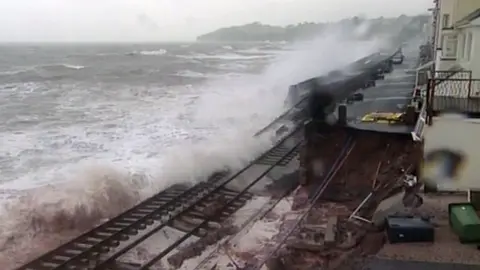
{"x":258,"y":32}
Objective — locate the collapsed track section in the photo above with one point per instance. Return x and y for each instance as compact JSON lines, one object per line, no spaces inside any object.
{"x":100,"y":247}
{"x":224,"y":248}
{"x":343,"y":155}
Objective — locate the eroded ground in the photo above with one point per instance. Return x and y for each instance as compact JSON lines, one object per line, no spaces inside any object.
{"x":376,"y":163}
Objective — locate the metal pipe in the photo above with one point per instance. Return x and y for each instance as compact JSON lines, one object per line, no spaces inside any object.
{"x":362,"y":219}
{"x":360,"y":205}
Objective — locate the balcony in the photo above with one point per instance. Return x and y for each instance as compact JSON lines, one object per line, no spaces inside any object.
{"x":453,"y":91}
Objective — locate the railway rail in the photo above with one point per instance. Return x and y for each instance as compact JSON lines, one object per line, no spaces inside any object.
{"x":211,"y":260}
{"x":100,"y":247}
{"x":341,"y":158}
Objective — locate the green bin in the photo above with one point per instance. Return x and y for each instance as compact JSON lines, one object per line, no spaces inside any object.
{"x":465,"y":222}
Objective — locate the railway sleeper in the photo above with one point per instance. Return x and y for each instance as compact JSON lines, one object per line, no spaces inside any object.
{"x":243,"y":197}
{"x":211,"y":209}
{"x":282,"y":160}
{"x":169,"y":195}
{"x":272,"y":162}
{"x":123,"y":266}
{"x":187,"y":228}
{"x":89,"y":241}
{"x":196,"y":222}
{"x":56,"y":262}
{"x":190,"y":220}
{"x":229,"y":192}
{"x":276,"y":155}
{"x":219,"y":216}
{"x":192,"y":223}
{"x":196,"y":248}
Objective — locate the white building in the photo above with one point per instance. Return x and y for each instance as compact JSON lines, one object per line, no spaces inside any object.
{"x":458,"y":35}
{"x":456,"y":85}
{"x":457,"y":55}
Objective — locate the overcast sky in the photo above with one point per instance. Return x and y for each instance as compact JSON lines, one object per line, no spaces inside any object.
{"x":152,"y":20}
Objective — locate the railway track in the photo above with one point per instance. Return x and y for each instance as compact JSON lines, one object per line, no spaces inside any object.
{"x":341,"y":158}
{"x":186,"y":209}
{"x":211,"y":260}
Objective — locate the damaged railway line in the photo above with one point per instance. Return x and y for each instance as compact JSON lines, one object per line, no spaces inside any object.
{"x":101,"y":246}
{"x":334,"y":223}
{"x":205,"y":211}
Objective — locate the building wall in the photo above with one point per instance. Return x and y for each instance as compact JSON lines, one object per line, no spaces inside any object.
{"x":474,"y":63}
{"x":443,"y":64}
{"x":457,"y":133}
{"x":468,"y":55}
{"x":446,"y":7}
{"x":455,"y":44}
{"x":444,"y":134}
{"x":464,"y":7}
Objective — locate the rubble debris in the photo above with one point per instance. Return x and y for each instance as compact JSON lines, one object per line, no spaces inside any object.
{"x":306,"y":245}
{"x":328,"y":147}
{"x":315,"y":227}
{"x":196,"y":248}
{"x":331,"y":230}
{"x":275,"y":263}
{"x":374,"y":171}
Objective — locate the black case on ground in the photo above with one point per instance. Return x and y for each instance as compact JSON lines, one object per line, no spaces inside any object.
{"x":409,"y":229}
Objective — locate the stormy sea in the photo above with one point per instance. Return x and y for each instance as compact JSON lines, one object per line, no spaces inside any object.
{"x":88,"y":130}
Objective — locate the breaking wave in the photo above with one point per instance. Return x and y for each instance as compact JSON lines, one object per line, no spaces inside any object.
{"x":39,"y":68}
{"x":222,"y":114}
{"x":225,"y":56}
{"x":158,"y":52}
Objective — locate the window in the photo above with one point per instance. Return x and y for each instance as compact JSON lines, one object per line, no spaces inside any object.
{"x":461,"y":46}
{"x":446,"y":21}
{"x":450,"y":49}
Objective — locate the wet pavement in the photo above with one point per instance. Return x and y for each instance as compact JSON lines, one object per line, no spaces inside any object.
{"x":387,"y":264}
{"x":392,"y":94}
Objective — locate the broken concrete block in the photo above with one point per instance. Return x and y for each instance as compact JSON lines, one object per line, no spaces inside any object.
{"x":388,"y":207}
{"x":331,"y":230}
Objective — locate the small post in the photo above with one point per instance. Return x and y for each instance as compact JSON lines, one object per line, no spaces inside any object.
{"x":410,"y":115}
{"x":342,"y":114}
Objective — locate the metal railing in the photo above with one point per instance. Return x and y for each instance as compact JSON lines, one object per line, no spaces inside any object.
{"x":453,"y":84}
